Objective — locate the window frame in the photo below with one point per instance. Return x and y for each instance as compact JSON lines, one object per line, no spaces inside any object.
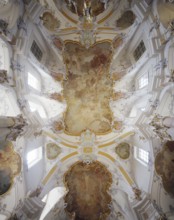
{"x":143,"y":80}
{"x":36,"y":51}
{"x":30,"y":80}
{"x":139,"y":50}
{"x":139,"y":158}
{"x":36,"y":159}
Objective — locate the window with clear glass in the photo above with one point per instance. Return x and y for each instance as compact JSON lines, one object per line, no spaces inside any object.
{"x":34,"y":156}
{"x":36,"y":51}
{"x":33,"y":81}
{"x":143,"y":81}
{"x":139,"y":50}
{"x":141,"y":155}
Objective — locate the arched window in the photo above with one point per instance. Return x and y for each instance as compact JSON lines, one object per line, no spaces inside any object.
{"x":141,"y":155}
{"x":51,"y":199}
{"x":34,"y":156}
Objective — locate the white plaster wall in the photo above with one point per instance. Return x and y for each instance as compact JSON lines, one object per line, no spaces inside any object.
{"x":35,"y":174}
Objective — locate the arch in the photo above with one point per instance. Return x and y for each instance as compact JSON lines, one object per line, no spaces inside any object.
{"x":166,"y":100}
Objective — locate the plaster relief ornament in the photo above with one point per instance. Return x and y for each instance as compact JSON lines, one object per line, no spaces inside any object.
{"x":88,"y":146}
{"x":117,"y":41}
{"x":3,"y":76}
{"x":123,"y":150}
{"x":50,"y":22}
{"x":171,"y":77}
{"x":87,"y":138}
{"x":117,"y":75}
{"x":118,"y":95}
{"x":137,"y":193}
{"x":159,"y":129}
{"x":78,"y":7}
{"x":126,"y":20}
{"x":58,"y":43}
{"x":3,"y":2}
{"x":57,"y":96}
{"x":164,"y":166}
{"x":57,"y":76}
{"x":10,"y":166}
{"x":58,"y":126}
{"x":3,"y":27}
{"x":13,"y":127}
{"x":117,"y":125}
{"x":52,"y":151}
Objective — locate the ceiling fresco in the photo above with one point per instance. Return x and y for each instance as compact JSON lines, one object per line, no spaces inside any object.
{"x":126,"y":20}
{"x":88,"y":88}
{"x":52,"y":151}
{"x":97,"y":6}
{"x":50,"y":22}
{"x":164,"y":165}
{"x":123,"y":150}
{"x":10,"y":166}
{"x":87,"y":197}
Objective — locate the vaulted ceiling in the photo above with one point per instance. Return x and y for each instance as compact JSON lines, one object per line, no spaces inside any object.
{"x":87,"y":109}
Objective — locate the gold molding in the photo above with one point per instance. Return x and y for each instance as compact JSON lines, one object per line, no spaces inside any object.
{"x":107,"y":144}
{"x":68,"y":156}
{"x":68,"y":29}
{"x":125,"y":174}
{"x":55,"y":137}
{"x":106,"y":17}
{"x":129,"y":133}
{"x":76,"y":22}
{"x":105,"y":33}
{"x":97,"y":42}
{"x":79,"y":134}
{"x":50,"y":173}
{"x":107,"y":155}
{"x":51,"y":135}
{"x":68,"y":17}
{"x":122,"y":170}
{"x":87,"y":150}
{"x":69,"y":145}
{"x":105,"y":28}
